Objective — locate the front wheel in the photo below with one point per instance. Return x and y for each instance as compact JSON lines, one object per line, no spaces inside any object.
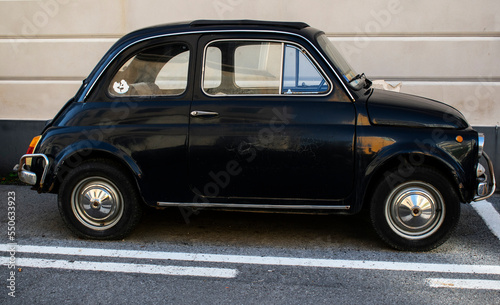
{"x":98,"y":201}
{"x":418,"y":213}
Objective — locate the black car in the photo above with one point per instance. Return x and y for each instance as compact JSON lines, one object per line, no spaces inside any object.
{"x":257,"y":116}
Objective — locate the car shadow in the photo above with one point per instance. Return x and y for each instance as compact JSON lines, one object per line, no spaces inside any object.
{"x":234,"y":228}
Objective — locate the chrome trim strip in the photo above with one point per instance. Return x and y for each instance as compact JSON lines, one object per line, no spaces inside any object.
{"x":21,"y":169}
{"x":299,"y":47}
{"x":480,"y":144}
{"x":493,"y":184}
{"x":91,"y":86}
{"x":283,"y":43}
{"x":253,"y":206}
{"x":282,"y":68}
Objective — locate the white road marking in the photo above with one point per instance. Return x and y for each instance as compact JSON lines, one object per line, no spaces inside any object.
{"x":464,"y":284}
{"x":489,"y":215}
{"x":121,"y":267}
{"x":259,"y":260}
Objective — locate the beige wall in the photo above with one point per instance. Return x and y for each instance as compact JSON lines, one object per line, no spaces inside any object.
{"x":447,"y":50}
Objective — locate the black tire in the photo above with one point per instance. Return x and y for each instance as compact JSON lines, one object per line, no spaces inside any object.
{"x":98,"y":200}
{"x":415,"y":213}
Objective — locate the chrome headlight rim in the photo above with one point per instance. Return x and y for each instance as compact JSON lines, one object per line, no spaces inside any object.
{"x":480,"y":144}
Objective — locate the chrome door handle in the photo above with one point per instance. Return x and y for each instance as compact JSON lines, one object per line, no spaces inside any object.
{"x":204,"y":113}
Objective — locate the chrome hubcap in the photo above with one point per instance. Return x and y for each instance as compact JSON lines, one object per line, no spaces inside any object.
{"x":97,"y":203}
{"x":415,"y":210}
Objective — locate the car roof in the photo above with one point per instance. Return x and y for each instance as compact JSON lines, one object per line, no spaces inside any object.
{"x":240,"y":24}
{"x":198,"y":26}
{"x":218,"y":25}
{"x":247,"y":22}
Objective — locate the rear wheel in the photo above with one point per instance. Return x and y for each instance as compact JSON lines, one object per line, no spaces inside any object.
{"x":97,"y":200}
{"x":418,"y":213}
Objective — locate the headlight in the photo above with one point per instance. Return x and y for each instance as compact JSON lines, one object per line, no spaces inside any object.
{"x":480,"y":143}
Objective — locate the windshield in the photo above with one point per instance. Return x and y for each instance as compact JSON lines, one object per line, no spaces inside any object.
{"x":355,"y":81}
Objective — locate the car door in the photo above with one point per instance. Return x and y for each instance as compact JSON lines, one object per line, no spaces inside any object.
{"x":140,"y":108}
{"x":267,"y":122}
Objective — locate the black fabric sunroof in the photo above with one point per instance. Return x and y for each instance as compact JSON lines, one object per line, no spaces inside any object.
{"x":295,"y":25}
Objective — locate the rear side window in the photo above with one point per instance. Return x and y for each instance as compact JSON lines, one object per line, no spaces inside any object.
{"x":260,"y":68}
{"x":157,"y":71}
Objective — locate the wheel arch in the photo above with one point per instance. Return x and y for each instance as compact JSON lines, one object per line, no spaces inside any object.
{"x":84,"y":151}
{"x":404,"y":163}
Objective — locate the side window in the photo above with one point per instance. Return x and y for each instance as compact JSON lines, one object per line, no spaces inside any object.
{"x":160,"y":70}
{"x":212,"y":68}
{"x":260,"y":68}
{"x":242,"y":67}
{"x":300,"y":75}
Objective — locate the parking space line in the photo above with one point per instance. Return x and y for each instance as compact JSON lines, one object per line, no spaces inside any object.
{"x":464,"y":284}
{"x":260,"y":260}
{"x":489,"y":215}
{"x":123,"y":268}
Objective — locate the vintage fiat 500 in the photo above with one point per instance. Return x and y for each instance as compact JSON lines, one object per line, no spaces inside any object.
{"x":257,"y":116}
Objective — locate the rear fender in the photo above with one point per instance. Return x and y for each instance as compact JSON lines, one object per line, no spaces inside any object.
{"x":80,"y":151}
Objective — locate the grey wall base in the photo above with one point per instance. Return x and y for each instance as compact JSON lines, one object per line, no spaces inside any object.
{"x":16,"y":135}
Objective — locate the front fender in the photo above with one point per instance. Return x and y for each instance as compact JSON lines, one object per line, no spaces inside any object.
{"x":456,"y":161}
{"x":404,"y":161}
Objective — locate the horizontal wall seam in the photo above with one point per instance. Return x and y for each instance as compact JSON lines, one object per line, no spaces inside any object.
{"x":41,"y":79}
{"x":57,"y":40}
{"x":71,"y":36}
{"x":334,"y":36}
{"x":337,"y":34}
{"x":24,"y":120}
{"x":413,"y":38}
{"x":409,"y":34}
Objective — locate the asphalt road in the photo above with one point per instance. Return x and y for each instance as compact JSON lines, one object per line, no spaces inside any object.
{"x":240,"y":258}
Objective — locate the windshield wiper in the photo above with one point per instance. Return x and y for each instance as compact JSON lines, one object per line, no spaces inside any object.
{"x":359,"y":76}
{"x":367,"y":82}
